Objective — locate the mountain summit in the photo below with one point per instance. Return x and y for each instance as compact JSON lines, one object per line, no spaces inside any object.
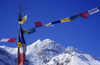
{"x":48,"y":52}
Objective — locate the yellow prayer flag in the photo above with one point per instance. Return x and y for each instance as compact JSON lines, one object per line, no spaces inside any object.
{"x":25,"y":31}
{"x":23,"y":20}
{"x":19,"y":44}
{"x":65,"y":20}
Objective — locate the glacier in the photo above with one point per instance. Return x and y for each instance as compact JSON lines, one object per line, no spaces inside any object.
{"x":48,"y":52}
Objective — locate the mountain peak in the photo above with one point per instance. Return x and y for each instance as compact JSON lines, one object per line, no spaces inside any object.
{"x":46,"y":49}
{"x":47,"y":39}
{"x":72,"y":50}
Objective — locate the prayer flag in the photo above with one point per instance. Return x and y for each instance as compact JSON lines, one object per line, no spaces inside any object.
{"x":99,"y":8}
{"x":23,"y":19}
{"x":55,"y":22}
{"x":8,"y":40}
{"x":84,"y":14}
{"x":48,"y":25}
{"x":38,"y":24}
{"x":65,"y":20}
{"x":92,"y":11}
{"x":74,"y":17}
{"x":21,"y":36}
{"x":31,"y":30}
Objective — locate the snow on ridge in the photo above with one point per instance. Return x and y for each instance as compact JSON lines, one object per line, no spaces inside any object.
{"x":70,"y":49}
{"x":96,"y":58}
{"x":73,"y":56}
{"x":39,"y":45}
{"x":38,"y":41}
{"x":50,"y":44}
{"x":79,"y":53}
{"x":31,"y":49}
{"x":11,"y":50}
{"x":35,"y":46}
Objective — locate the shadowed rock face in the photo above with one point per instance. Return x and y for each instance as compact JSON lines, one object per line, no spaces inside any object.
{"x":6,"y":58}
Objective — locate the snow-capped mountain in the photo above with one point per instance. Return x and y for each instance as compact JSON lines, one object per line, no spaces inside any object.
{"x":48,"y":52}
{"x":46,"y":49}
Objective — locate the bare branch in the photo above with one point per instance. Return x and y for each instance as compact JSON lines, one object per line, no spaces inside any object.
{"x":20,"y":9}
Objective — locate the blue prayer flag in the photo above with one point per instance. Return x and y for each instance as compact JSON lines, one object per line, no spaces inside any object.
{"x":21,"y":36}
{"x":55,"y":22}
{"x":31,"y":30}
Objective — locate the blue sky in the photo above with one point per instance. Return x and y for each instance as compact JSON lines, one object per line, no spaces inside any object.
{"x":83,"y":34}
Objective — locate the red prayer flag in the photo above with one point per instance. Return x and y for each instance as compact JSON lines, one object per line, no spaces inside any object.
{"x":84,"y":14}
{"x":38,"y":24}
{"x":8,"y":40}
{"x":21,"y":55}
{"x":12,"y":40}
